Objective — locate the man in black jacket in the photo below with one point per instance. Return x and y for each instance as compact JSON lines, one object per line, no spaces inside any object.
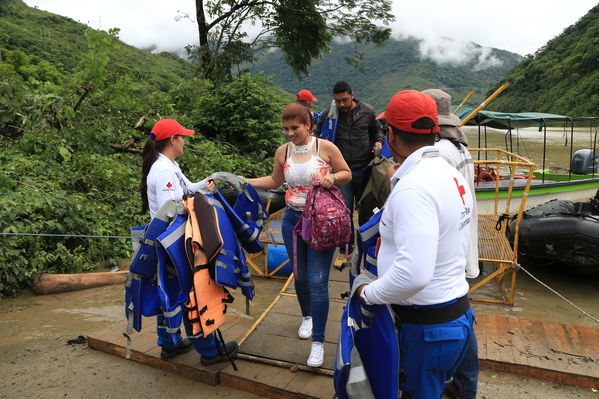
{"x":352,"y":126}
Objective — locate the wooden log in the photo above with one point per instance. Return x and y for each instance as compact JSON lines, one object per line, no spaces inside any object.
{"x":46,"y":283}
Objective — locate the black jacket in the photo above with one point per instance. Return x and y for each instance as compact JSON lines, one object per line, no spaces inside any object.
{"x":355,"y":139}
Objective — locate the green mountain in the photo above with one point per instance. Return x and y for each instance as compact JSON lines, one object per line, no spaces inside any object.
{"x":60,"y":41}
{"x":395,"y":66}
{"x":562,"y":77}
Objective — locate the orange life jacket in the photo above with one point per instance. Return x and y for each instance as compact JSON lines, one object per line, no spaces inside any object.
{"x":207,"y":300}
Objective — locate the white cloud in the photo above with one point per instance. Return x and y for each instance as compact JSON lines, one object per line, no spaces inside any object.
{"x":514,"y":25}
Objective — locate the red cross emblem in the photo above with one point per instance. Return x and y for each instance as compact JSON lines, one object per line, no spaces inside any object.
{"x":169,"y":185}
{"x":461,"y":190}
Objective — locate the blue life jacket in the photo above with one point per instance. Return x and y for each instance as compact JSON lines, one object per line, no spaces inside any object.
{"x":328,"y":129}
{"x":368,"y":235}
{"x":385,"y":149}
{"x":174,"y":275}
{"x":230,"y":268}
{"x":248,"y":215}
{"x":367,"y":359}
{"x":141,"y":288}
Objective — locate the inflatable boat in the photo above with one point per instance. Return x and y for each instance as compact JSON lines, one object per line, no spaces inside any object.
{"x":561,"y":232}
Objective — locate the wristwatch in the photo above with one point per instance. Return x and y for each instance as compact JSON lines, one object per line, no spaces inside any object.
{"x":363,"y":297}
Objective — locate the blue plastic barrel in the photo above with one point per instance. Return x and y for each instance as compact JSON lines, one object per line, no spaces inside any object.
{"x":276,"y":256}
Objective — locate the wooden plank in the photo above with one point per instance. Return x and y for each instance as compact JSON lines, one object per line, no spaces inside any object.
{"x":554,"y":376}
{"x":267,"y":381}
{"x":502,"y":340}
{"x":206,"y":376}
{"x":557,"y":341}
{"x":536,"y":344}
{"x":481,"y":335}
{"x":578,"y":345}
{"x":517,"y":341}
{"x":318,"y":386}
{"x":493,"y":346}
{"x":590,"y":336}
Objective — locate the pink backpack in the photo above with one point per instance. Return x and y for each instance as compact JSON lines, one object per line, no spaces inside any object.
{"x":326,"y":221}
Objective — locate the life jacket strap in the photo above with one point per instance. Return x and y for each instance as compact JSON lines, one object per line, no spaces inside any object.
{"x":129,"y":329}
{"x":371,"y":260}
{"x":228,"y":299}
{"x":216,"y":203}
{"x":173,"y":312}
{"x":169,"y":330}
{"x":148,"y":242}
{"x":200,"y":267}
{"x":224,"y":348}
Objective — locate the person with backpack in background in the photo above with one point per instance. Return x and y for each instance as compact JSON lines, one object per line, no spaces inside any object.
{"x":302,"y":161}
{"x":421,"y":261}
{"x":352,"y":126}
{"x":452,"y":145}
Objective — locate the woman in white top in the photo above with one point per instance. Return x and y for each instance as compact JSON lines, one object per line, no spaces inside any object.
{"x":300,"y":162}
{"x":161,"y":181}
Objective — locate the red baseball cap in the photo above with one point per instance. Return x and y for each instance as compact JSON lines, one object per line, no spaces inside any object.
{"x":412,"y":111}
{"x":165,"y":128}
{"x":306,"y":95}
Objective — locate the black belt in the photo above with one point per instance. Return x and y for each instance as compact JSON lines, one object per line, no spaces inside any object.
{"x":425,"y":316}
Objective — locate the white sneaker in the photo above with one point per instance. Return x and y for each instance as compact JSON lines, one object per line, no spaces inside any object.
{"x":305,"y":330}
{"x":316,"y":355}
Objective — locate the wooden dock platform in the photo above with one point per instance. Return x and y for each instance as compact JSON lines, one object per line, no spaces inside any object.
{"x":272,"y":357}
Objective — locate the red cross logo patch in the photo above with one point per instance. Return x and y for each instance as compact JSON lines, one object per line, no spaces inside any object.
{"x":461,"y":190}
{"x":169,"y":185}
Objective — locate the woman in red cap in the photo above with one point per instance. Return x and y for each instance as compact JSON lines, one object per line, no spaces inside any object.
{"x":162,"y":181}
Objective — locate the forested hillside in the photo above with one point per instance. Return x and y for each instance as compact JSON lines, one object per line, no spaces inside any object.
{"x":69,"y":100}
{"x":562,"y":77}
{"x":395,"y":66}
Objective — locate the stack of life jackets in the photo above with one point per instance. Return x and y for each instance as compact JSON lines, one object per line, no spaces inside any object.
{"x":187,"y":255}
{"x":367,"y":358}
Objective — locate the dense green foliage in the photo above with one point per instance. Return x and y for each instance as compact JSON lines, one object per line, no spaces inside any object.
{"x":395,"y":66}
{"x":65,"y":99}
{"x":302,"y":29}
{"x":562,"y":77}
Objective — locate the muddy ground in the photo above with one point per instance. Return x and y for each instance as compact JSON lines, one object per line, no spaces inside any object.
{"x":37,"y":362}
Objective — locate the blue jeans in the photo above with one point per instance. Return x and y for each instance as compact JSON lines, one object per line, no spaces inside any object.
{"x":352,"y":192}
{"x":466,"y":376}
{"x":205,"y":346}
{"x":312,"y":283}
{"x":430,"y":354}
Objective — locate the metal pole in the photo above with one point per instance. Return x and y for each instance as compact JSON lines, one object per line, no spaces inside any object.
{"x":571,"y":148}
{"x":485,"y":103}
{"x":544,"y":146}
{"x":463,"y":101}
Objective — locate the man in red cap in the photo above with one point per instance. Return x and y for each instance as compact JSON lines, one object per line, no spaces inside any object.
{"x":422,"y":257}
{"x":306,"y":98}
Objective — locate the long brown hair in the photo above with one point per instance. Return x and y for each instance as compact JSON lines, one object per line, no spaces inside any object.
{"x":149,"y":156}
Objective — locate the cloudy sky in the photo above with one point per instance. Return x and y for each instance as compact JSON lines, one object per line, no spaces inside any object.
{"x":520,"y":26}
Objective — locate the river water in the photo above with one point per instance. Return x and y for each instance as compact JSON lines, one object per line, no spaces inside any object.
{"x":528,"y":142}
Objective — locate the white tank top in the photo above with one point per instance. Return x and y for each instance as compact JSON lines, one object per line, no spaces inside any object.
{"x":299,"y":176}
